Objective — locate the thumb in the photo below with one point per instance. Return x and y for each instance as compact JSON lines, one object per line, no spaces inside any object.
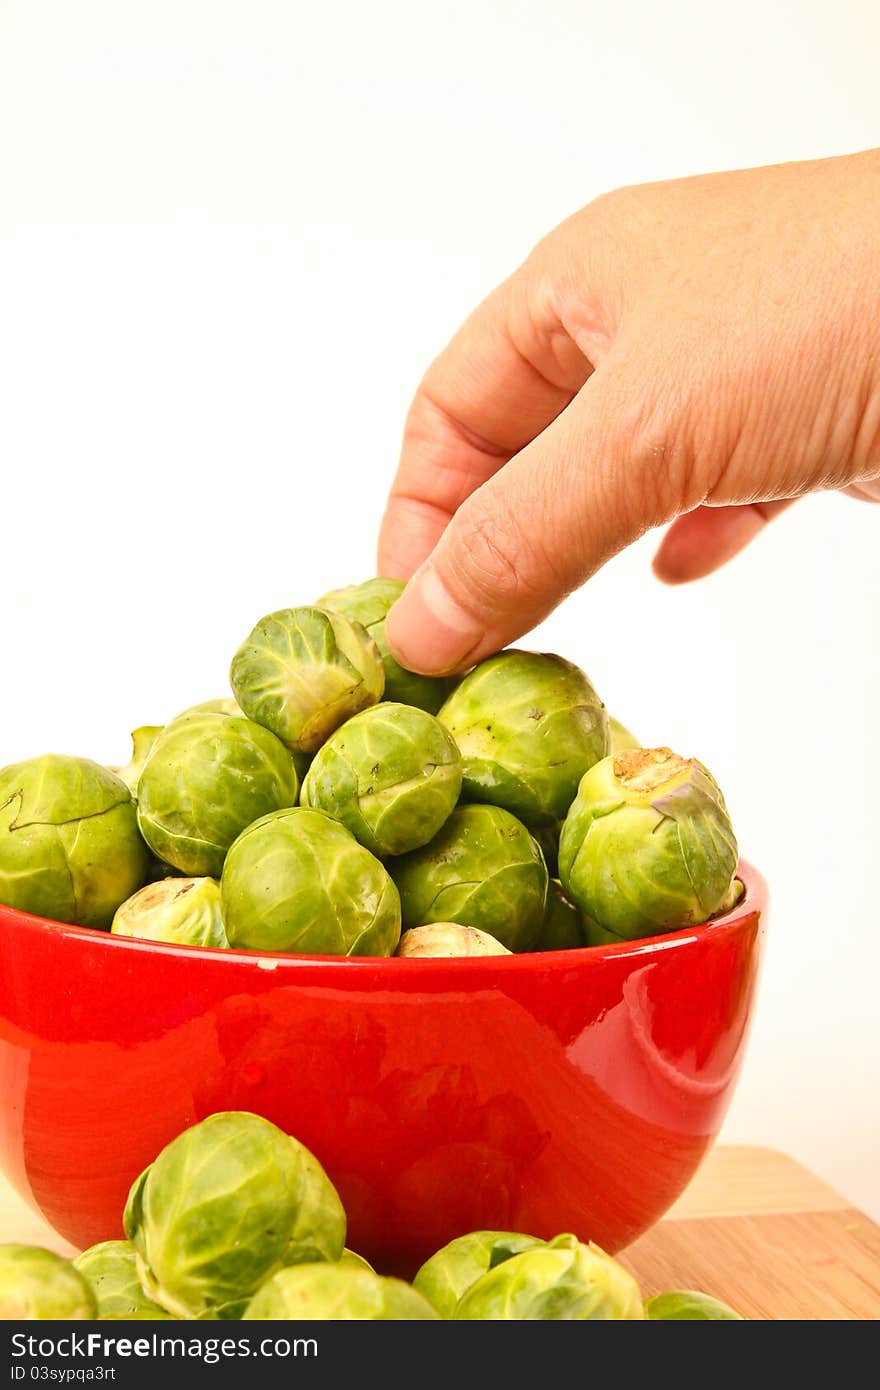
{"x":585,"y":488}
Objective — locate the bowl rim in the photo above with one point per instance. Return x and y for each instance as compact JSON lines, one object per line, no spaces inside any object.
{"x":388,"y":968}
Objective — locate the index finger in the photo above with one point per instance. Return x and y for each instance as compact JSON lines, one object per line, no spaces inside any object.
{"x":507,"y":373}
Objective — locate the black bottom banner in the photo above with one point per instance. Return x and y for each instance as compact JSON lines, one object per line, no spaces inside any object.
{"x":262,"y":1355}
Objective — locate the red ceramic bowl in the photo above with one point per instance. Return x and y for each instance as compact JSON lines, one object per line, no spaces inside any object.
{"x":563,"y":1091}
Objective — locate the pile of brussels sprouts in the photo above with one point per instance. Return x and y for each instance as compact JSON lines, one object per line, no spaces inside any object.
{"x":237,"y":1220}
{"x":341,"y":805}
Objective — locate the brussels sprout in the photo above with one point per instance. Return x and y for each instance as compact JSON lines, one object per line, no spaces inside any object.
{"x":352,"y":1260}
{"x":336,"y":1293}
{"x":298,"y":881}
{"x":563,"y":926}
{"x":142,"y":741}
{"x":224,"y":705}
{"x":647,"y":845}
{"x":140,"y":1315}
{"x":529,"y":725}
{"x":111,"y":1273}
{"x":482,"y":870}
{"x":318,"y":1230}
{"x":69,"y":842}
{"x":448,"y":939}
{"x":392,"y":775}
{"x":302,"y":673}
{"x":562,"y":1280}
{"x":233,"y":710}
{"x":620,"y":736}
{"x":687,"y":1305}
{"x":734,"y":897}
{"x":209,"y":776}
{"x":224,"y":1206}
{"x":185,"y":911}
{"x":446,"y":1277}
{"x":368,"y":604}
{"x":37,"y":1285}
{"x":595,"y":935}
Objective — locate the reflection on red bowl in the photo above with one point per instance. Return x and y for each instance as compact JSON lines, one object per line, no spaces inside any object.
{"x":562,"y":1091}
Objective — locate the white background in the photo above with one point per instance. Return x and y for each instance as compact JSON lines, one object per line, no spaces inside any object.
{"x":233,"y":236}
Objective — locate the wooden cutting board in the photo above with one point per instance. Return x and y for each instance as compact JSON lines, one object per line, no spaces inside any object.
{"x":754,"y":1228}
{"x":768,"y":1237}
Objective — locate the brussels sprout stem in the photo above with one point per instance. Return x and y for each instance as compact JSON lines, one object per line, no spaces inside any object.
{"x":648,"y":769}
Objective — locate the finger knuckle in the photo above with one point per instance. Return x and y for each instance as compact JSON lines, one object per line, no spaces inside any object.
{"x":491,"y":558}
{"x":676,"y":428}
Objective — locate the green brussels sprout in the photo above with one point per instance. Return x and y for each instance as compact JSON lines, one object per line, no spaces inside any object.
{"x":647,"y":846}
{"x":686,"y":1305}
{"x":69,"y":842}
{"x":620,"y":737}
{"x":368,"y":604}
{"x":303,"y":672}
{"x":391,"y":775}
{"x":140,"y":1315}
{"x":482,"y":870}
{"x":594,"y":935}
{"x":560,"y":1281}
{"x":529,"y":725}
{"x":352,"y":1260}
{"x":445,"y":1278}
{"x":336,"y":1293}
{"x":224,"y":705}
{"x":448,"y":939}
{"x":209,"y":776}
{"x":110,"y":1270}
{"x":318,"y":1230}
{"x":37,"y":1285}
{"x":233,"y":710}
{"x":185,"y":911}
{"x":298,"y":881}
{"x":734,"y":897}
{"x":225,"y":1205}
{"x":142,"y":741}
{"x":563,"y":926}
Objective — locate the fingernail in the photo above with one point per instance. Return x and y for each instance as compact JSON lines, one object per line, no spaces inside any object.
{"x":427,"y":630}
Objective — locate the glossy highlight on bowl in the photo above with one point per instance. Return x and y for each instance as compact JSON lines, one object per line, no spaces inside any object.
{"x":556,"y":1091}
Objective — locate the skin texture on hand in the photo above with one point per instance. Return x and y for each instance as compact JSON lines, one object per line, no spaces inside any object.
{"x":702,"y":351}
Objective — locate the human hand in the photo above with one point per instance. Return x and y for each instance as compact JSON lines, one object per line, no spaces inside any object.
{"x":702,"y":351}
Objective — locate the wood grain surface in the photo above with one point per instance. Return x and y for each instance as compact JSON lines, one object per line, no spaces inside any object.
{"x":754,"y":1229}
{"x":768,"y":1237}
